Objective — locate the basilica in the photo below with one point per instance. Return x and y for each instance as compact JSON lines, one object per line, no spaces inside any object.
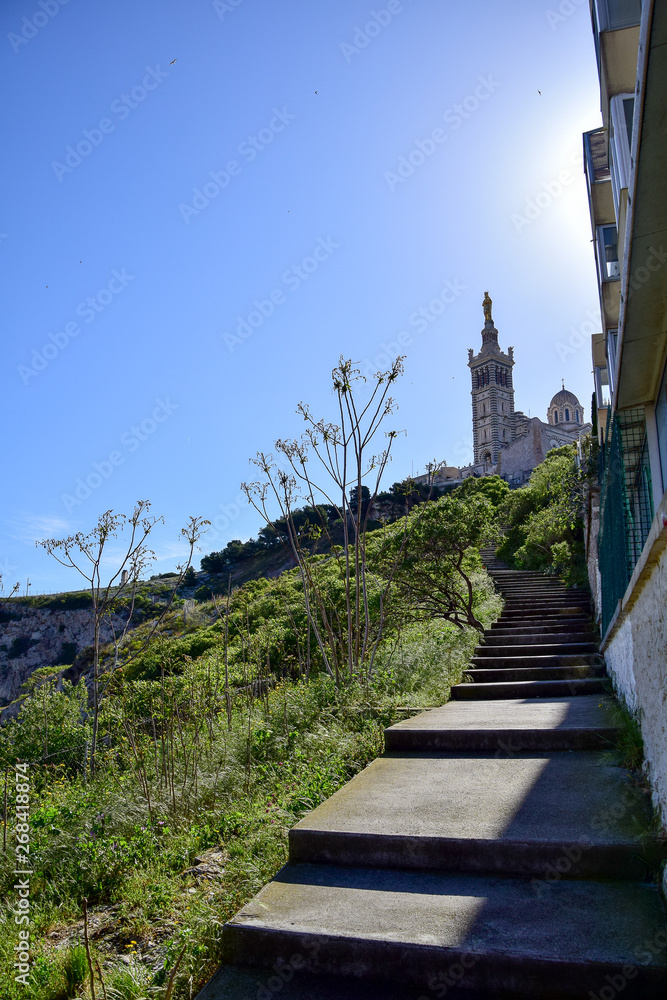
{"x":505,"y":441}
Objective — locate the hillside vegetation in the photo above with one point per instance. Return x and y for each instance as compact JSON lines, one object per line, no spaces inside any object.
{"x":217,"y":737}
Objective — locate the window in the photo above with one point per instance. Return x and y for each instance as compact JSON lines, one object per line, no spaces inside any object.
{"x":620,"y":144}
{"x":576,"y":417}
{"x":567,"y":416}
{"x":610,"y":15}
{"x":661,"y":422}
{"x":555,"y":416}
{"x":602,"y":396}
{"x":607,"y":253}
{"x":611,"y":349}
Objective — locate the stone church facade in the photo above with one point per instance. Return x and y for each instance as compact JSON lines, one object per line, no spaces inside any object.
{"x":505,"y":440}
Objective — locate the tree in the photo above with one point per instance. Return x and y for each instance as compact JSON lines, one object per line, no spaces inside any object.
{"x":342,"y":453}
{"x":433,"y":576}
{"x":365,"y":500}
{"x":495,"y":489}
{"x":87,"y":555}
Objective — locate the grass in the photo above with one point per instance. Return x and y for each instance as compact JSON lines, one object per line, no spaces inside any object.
{"x":630,"y":743}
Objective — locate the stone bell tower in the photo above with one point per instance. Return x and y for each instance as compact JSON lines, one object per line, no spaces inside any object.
{"x":492,"y":394}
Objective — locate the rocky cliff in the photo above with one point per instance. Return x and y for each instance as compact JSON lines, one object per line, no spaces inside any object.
{"x":40,"y":637}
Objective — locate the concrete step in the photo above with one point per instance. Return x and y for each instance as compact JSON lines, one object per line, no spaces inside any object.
{"x":545,"y":608}
{"x":508,"y":727}
{"x":292,"y":982}
{"x":574,"y":625}
{"x":510,"y":578}
{"x":530,"y":689}
{"x":521,"y":593}
{"x":544,"y":596}
{"x":555,"y":603}
{"x":499,"y":648}
{"x":547,"y":614}
{"x":414,"y":927}
{"x":540,"y":586}
{"x":516,"y":815}
{"x":507,"y":585}
{"x":514,"y":626}
{"x":537,"y":638}
{"x":517,"y":634}
{"x":482,"y":675}
{"x":539,"y":660}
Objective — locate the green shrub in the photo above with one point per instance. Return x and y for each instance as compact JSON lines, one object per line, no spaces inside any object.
{"x":49,"y":722}
{"x":72,"y":601}
{"x":68,"y":651}
{"x":19,"y":646}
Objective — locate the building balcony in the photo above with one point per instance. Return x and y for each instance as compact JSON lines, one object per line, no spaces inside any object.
{"x":616,"y":33}
{"x":642,"y":331}
{"x":598,"y":178}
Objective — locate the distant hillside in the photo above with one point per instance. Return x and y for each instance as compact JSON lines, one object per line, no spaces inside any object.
{"x":56,"y":631}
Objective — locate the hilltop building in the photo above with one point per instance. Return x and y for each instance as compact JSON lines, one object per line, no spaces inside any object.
{"x":505,"y":441}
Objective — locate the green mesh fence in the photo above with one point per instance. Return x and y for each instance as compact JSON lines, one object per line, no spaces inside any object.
{"x":626,"y":506}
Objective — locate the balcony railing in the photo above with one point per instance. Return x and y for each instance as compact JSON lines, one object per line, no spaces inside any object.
{"x":596,"y":163}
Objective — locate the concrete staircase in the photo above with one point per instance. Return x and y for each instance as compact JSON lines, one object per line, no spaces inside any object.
{"x":491,"y":852}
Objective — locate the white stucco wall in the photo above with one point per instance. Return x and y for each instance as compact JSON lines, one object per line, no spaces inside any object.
{"x":620,"y":661}
{"x":637,"y":660}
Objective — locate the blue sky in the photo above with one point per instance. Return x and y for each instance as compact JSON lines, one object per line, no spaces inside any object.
{"x":336,"y":166}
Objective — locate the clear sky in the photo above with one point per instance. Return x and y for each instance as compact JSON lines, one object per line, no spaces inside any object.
{"x":172,"y":170}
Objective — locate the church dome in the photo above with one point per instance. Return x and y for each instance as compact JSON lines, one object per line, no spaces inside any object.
{"x":564,"y":398}
{"x":565,"y":409}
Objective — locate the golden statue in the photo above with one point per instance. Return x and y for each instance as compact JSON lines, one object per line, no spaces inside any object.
{"x":486,"y":306}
